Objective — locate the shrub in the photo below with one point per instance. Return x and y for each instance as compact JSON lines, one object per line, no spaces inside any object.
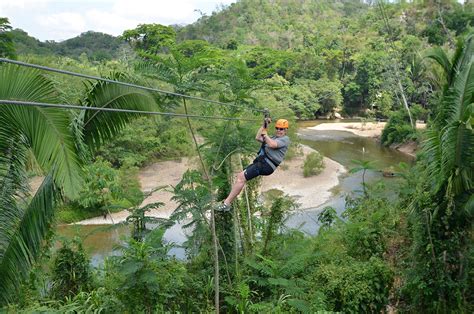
{"x":144,"y":278}
{"x":101,"y":185}
{"x":313,"y":164}
{"x":398,"y":129}
{"x":71,"y":271}
{"x":69,"y":213}
{"x":352,"y":286}
{"x":105,"y":186}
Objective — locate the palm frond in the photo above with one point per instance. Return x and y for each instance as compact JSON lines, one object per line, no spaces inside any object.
{"x":460,"y":94}
{"x":45,"y":130}
{"x":99,"y":126}
{"x":21,"y":234}
{"x":458,"y":138}
{"x":176,"y":69}
{"x":437,"y":54}
{"x":463,"y":54}
{"x":449,"y":148}
{"x":12,"y":189}
{"x":432,"y":152}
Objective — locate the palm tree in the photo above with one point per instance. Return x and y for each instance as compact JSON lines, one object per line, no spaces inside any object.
{"x":56,"y":141}
{"x":447,"y":161}
{"x":449,"y":147}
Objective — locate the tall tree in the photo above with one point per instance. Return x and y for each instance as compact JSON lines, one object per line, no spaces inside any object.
{"x":182,"y":70}
{"x":7,"y":48}
{"x":152,"y":38}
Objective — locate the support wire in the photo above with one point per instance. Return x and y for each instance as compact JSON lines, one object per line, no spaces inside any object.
{"x":151,"y":89}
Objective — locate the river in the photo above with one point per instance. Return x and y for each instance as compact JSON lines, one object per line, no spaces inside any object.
{"x":341,"y":146}
{"x":344,"y":147}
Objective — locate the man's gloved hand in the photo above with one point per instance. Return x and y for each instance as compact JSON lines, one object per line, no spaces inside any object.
{"x":266,"y":122}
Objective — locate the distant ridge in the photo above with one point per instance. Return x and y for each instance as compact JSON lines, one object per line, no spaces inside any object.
{"x":97,"y":46}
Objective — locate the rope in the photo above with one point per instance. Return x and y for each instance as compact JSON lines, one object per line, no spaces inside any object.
{"x":223,"y":160}
{"x":40,"y":67}
{"x":179,"y":115}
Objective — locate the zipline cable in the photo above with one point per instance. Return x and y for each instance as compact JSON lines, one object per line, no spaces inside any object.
{"x":63,"y":106}
{"x":151,"y":89}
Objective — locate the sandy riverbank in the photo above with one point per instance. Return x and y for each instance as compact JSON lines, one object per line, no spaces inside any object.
{"x":366,"y":129}
{"x":163,"y":173}
{"x":369,"y":129}
{"x":309,"y":192}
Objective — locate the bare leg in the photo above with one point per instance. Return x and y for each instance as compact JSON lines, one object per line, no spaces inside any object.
{"x":237,"y":188}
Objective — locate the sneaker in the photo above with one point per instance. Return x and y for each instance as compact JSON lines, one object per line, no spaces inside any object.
{"x":223,"y":207}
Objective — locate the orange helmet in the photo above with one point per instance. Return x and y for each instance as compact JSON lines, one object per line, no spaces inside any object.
{"x":282,"y":123}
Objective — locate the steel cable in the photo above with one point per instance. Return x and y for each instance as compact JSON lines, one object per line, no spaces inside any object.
{"x":151,"y":89}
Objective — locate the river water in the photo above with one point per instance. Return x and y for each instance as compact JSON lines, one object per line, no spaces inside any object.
{"x":344,"y":147}
{"x":341,"y":146}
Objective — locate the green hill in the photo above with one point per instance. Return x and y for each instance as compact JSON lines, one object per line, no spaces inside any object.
{"x":97,"y":46}
{"x":284,"y":24}
{"x":275,"y":24}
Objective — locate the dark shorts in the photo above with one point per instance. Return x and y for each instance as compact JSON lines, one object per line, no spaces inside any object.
{"x":259,"y":168}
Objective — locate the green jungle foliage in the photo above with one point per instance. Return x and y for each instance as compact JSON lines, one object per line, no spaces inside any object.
{"x":411,"y":251}
{"x":398,"y":129}
{"x":71,"y":272}
{"x":146,"y":140}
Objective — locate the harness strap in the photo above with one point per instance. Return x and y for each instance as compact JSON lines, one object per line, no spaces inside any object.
{"x":266,"y":157}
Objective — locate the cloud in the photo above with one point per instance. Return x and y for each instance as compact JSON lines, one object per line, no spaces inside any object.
{"x":109,"y":23}
{"x":155,"y":10}
{"x":62,"y":19}
{"x":127,"y":14}
{"x":6,"y":6}
{"x":61,"y":25}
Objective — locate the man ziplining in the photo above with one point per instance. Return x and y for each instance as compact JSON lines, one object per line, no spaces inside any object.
{"x":270,"y":155}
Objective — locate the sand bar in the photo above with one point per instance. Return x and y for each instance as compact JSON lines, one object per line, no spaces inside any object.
{"x":365,"y":129}
{"x":308,"y":192}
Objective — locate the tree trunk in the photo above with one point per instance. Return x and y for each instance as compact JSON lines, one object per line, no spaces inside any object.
{"x":213,"y":220}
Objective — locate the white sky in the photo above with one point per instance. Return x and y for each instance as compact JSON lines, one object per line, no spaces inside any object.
{"x":62,"y":19}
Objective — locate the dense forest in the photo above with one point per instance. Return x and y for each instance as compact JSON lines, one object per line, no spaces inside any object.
{"x":401,"y":61}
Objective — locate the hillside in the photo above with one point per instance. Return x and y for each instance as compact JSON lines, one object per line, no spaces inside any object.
{"x":97,"y":46}
{"x":275,"y":24}
{"x":284,"y":24}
